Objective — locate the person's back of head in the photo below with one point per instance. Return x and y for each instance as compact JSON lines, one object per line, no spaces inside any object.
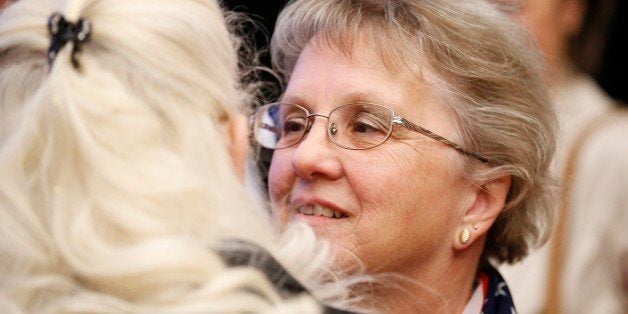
{"x":120,"y":125}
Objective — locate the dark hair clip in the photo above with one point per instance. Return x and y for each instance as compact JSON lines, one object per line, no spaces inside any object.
{"x":62,"y":32}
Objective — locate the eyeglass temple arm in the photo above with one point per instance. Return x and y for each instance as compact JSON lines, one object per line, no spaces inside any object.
{"x":411,"y":126}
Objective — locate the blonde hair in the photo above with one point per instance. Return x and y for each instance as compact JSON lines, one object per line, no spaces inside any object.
{"x":481,"y":65}
{"x":116,"y":183}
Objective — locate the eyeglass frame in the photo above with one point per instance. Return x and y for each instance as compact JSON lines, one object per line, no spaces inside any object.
{"x":395,"y":120}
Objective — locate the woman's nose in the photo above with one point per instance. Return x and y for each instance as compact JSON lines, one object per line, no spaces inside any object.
{"x":316,"y":156}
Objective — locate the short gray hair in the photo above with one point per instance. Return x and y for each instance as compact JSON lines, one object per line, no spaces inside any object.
{"x":484,"y":69}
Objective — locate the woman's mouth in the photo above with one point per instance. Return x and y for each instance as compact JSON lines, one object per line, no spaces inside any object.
{"x":319,"y":210}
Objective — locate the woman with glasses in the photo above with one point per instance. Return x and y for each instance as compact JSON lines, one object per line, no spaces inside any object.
{"x":122,"y":147}
{"x":416,"y":136}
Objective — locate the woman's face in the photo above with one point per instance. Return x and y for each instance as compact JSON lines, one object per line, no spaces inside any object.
{"x":399,"y":201}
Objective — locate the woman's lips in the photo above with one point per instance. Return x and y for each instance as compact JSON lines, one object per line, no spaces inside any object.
{"x":320,"y":210}
{"x":316,"y":211}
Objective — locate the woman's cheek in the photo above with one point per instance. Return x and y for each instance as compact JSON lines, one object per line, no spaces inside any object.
{"x":279,"y":187}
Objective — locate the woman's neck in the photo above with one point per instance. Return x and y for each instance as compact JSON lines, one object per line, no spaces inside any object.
{"x":445,"y":286}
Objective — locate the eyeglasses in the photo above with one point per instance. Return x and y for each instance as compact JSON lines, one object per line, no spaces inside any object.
{"x":356,"y":126}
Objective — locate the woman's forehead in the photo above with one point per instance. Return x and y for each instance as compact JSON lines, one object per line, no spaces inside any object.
{"x":323,"y":71}
{"x":375,"y":44}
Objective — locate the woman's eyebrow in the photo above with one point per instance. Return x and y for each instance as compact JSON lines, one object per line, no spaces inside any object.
{"x":364,"y":97}
{"x":293,"y":99}
{"x":354,"y":97}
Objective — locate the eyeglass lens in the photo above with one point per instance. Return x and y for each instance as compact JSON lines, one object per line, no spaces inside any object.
{"x":353,"y":126}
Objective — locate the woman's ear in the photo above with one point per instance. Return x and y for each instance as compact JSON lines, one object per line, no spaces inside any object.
{"x":487,"y":202}
{"x":238,"y":144}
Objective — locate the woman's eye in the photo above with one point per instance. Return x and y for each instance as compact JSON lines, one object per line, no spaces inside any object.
{"x":293,"y":125}
{"x":367,"y":126}
{"x":361,"y":127}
